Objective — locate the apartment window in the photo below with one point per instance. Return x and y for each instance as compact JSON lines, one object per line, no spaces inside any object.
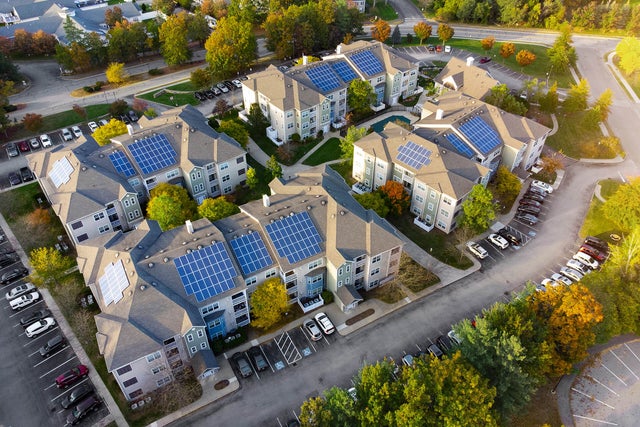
{"x":251,"y":281}
{"x":289,"y":114}
{"x":212,"y":177}
{"x":135,"y":394}
{"x":130,"y":382}
{"x":83,"y":237}
{"x":227,"y":190}
{"x":224,"y":166}
{"x":203,"y":345}
{"x":270,"y":273}
{"x":136,"y":213}
{"x":214,"y":188}
{"x":150,"y":181}
{"x":209,"y":166}
{"x":76,"y":225}
{"x":348,"y":268}
{"x":289,"y":125}
{"x":133,"y":201}
{"x":126,"y":203}
{"x":174,"y":173}
{"x":154,"y":356}
{"x":226,"y":178}
{"x":130,"y":215}
{"x":430,"y":206}
{"x":442,"y":225}
{"x":103,"y":229}
{"x":315,"y":264}
{"x":190,"y":337}
{"x":124,"y":370}
{"x":339,"y":283}
{"x":163,"y":381}
{"x":98,"y":216}
{"x":134,"y":182}
{"x":210,"y":308}
{"x":432,"y":194}
{"x":447,"y":201}
{"x":375,"y":259}
{"x":340,"y":271}
{"x":419,"y":199}
{"x":240,"y":172}
{"x":444,"y":213}
{"x":416,"y":210}
{"x":156,"y":370}
{"x":240,"y":160}
{"x":375,"y":271}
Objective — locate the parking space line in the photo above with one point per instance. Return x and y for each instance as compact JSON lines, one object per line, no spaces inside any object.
{"x":39,"y":336}
{"x":632,"y":352}
{"x":592,"y":398}
{"x":255,"y":368}
{"x":20,"y":311}
{"x":595,"y":420}
{"x":596,"y":380}
{"x":70,"y":389}
{"x":419,"y":349}
{"x":57,"y":367}
{"x":266,"y":358}
{"x":44,"y":360}
{"x":278,"y":420}
{"x":624,"y":364}
{"x":611,"y":372}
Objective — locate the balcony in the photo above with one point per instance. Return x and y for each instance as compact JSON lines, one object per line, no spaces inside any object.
{"x":272,"y":134}
{"x":423,"y":224}
{"x":360,"y":188}
{"x":310,"y":304}
{"x":379,"y":107}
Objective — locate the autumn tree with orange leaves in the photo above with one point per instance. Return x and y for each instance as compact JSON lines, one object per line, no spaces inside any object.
{"x":397,"y":197}
{"x":381,"y":30}
{"x":507,"y":49}
{"x":525,"y":57}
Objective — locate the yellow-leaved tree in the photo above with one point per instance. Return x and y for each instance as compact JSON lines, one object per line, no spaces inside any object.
{"x":268,"y":303}
{"x":103,"y":134}
{"x":49,"y":265}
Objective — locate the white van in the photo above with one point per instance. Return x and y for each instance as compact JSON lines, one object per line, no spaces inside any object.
{"x":587,"y":260}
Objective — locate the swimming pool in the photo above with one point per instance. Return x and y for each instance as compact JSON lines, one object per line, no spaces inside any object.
{"x":379,"y":126}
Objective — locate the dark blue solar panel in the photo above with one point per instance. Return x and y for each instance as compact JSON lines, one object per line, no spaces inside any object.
{"x":345,"y":72}
{"x":153,"y":153}
{"x":460,"y":145}
{"x":323,"y":77}
{"x":206,"y":272}
{"x":121,"y":163}
{"x":295,"y":237}
{"x":413,"y":155}
{"x":367,"y":62}
{"x":480,"y":134}
{"x":251,"y":253}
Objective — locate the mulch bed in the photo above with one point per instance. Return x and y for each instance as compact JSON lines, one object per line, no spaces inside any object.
{"x":359,"y":317}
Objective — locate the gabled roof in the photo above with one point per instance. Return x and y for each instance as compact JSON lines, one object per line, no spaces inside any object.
{"x":393,"y":60}
{"x":469,"y":79}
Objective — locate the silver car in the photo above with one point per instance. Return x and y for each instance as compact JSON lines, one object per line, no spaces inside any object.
{"x":571,"y":273}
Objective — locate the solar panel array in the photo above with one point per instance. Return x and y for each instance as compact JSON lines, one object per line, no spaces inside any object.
{"x":153,"y":153}
{"x":206,"y":272}
{"x":414,"y":155}
{"x":61,"y":171}
{"x":295,"y":237}
{"x":323,"y":77}
{"x":459,"y":145}
{"x":251,"y":253}
{"x":121,"y":163}
{"x":345,"y":72}
{"x":367,"y":62}
{"x":481,"y":134}
{"x":113,"y":283}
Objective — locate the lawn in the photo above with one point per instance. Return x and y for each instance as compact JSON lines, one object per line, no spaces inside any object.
{"x":595,"y":223}
{"x":166,"y":98}
{"x":383,"y":11}
{"x":330,"y":150}
{"x":414,"y":276}
{"x":608,"y":187}
{"x":541,"y":410}
{"x":389,"y":293}
{"x":435,"y":242}
{"x":344,"y":169}
{"x":575,"y":140}
{"x":245,"y":195}
{"x":186,"y":86}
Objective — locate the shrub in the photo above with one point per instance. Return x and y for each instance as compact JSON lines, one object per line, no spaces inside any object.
{"x":88,"y":89}
{"x":327,"y":296}
{"x":295,"y":137}
{"x":155,"y":72}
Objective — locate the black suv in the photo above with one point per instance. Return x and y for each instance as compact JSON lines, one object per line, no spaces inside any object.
{"x":511,"y":237}
{"x":26,"y":174}
{"x":16,"y":273}
{"x":529,"y":209}
{"x":77,"y":395}
{"x":54,"y":344}
{"x":34,"y":317}
{"x":89,"y":404}
{"x":533,"y":196}
{"x":6,"y":260}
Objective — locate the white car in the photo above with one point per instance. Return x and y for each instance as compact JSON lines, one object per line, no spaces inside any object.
{"x":587,"y":260}
{"x":93,"y":126}
{"x":542,"y":185}
{"x":454,"y":337}
{"x":66,"y":134}
{"x":499,"y":241}
{"x":103,"y":122}
{"x":24,"y":301}
{"x":19,"y":290}
{"x":477,"y":250}
{"x":45,"y":140}
{"x":325,"y":324}
{"x":313,"y":330}
{"x":39,"y":327}
{"x":447,"y":49}
{"x":571,"y":273}
{"x":577,"y":265}
{"x":237,"y":83}
{"x":562,"y":279}
{"x":77,"y":132}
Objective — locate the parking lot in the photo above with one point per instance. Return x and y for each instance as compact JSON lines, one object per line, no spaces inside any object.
{"x":30,"y":395}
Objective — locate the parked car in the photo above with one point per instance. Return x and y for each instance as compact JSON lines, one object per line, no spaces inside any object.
{"x":200,"y":96}
{"x":23,"y":146}
{"x":34,"y":143}
{"x":12,"y":149}
{"x":133,"y":116}
{"x":259,"y":361}
{"x":438,"y":48}
{"x":530,"y":202}
{"x":593,"y":253}
{"x":499,"y":241}
{"x":209,"y":94}
{"x":532,"y":195}
{"x":93,"y":126}
{"x":216,"y":91}
{"x":537,"y":190}
{"x":543,"y":185}
{"x":244,"y":367}
{"x":83,"y":408}
{"x":313,"y":330}
{"x":39,"y":327}
{"x":19,"y":290}
{"x":431,"y":48}
{"x":24,"y":301}
{"x":229,"y":85}
{"x":484,"y":60}
{"x":34,"y":317}
{"x":455,"y":339}
{"x":6,"y":260}
{"x":599,"y":244}
{"x":587,"y":259}
{"x":444,"y":342}
{"x":578,"y":266}
{"x":14,"y":178}
{"x":124,"y":119}
{"x":72,"y":376}
{"x":77,"y":132}
{"x":435,"y":350}
{"x":511,"y":237}
{"x":447,"y":49}
{"x":407,"y":359}
{"x":25,"y":174}
{"x":571,"y":273}
{"x":546,"y":282}
{"x":477,"y":250}
{"x":54,"y":344}
{"x":45,"y":141}
{"x":222,"y":87}
{"x":237,"y":83}
{"x":324,"y":323}
{"x":103,"y":122}
{"x":527,"y":218}
{"x":12,"y":275}
{"x":557,"y":277}
{"x":77,"y":395}
{"x":529,"y":209}
{"x":66,"y":134}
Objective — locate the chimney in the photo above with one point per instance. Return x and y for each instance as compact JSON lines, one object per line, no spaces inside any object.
{"x":305,"y":60}
{"x":470,"y":61}
{"x":266,"y":201}
{"x":189,"y":226}
{"x":339,"y":49}
{"x":439,"y":114}
{"x":130,"y":129}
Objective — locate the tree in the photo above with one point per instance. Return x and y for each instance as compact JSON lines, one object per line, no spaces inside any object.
{"x":445,"y":33}
{"x":252,"y":178}
{"x":346,"y":143}
{"x":72,"y":33}
{"x":396,"y":37}
{"x":623,"y":208}
{"x":49,"y":265}
{"x":507,"y":185}
{"x":32,"y":122}
{"x":126,"y":41}
{"x":423,"y":31}
{"x":80,"y":111}
{"x":397,"y":198}
{"x":603,"y":104}
{"x":215,"y":8}
{"x":478,"y":209}
{"x":43,"y":43}
{"x":218,"y":208}
{"x":164,"y":6}
{"x":549,"y":101}
{"x":23,"y":41}
{"x":628,"y":50}
{"x":507,"y":49}
{"x":201,"y":78}
{"x":360,"y":95}
{"x":118,"y":108}
{"x":231,"y":47}
{"x":577,"y":97}
{"x":116,"y":73}
{"x":198,"y":28}
{"x":171,"y":206}
{"x":273,"y":167}
{"x":173,"y":39}
{"x":487,"y":43}
{"x":8,"y":70}
{"x":236,"y":131}
{"x":256,"y":118}
{"x":525,"y":58}
{"x":103,"y":134}
{"x":550,"y":164}
{"x":378,"y":394}
{"x":334,"y":408}
{"x":221,"y":108}
{"x":501,"y":97}
{"x":626,"y":256}
{"x":113,"y":15}
{"x":268,"y":303}
{"x":374,"y":201}
{"x":380,"y":30}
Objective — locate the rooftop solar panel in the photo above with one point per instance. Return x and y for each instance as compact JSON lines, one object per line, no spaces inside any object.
{"x":459,"y":145}
{"x":251,"y":253}
{"x":323,"y":77}
{"x":153,"y":153}
{"x":295,"y":237}
{"x":61,"y":171}
{"x":121,"y":163}
{"x":367,"y":62}
{"x":345,"y":72}
{"x":480,"y":134}
{"x":206,"y":272}
{"x":113,"y":283}
{"x":414,"y":155}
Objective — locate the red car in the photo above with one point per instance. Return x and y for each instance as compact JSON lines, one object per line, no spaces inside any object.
{"x":23,"y":146}
{"x":72,"y":376}
{"x":485,"y":59}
